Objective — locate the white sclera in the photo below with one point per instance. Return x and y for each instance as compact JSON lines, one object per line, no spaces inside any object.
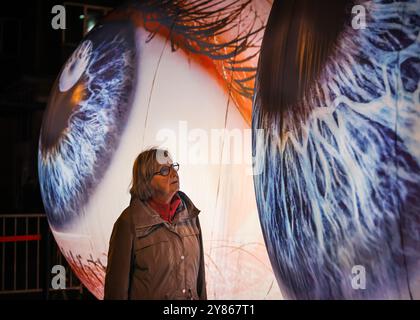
{"x":237,"y":264}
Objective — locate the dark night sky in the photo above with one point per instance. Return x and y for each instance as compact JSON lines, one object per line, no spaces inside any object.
{"x":31,"y":56}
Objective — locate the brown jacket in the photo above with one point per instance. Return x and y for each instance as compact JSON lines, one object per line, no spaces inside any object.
{"x":150,"y":258}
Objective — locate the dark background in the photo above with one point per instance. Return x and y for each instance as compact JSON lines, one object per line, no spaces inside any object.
{"x":31,"y":56}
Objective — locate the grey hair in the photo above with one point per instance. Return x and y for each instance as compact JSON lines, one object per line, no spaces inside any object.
{"x":145,"y":165}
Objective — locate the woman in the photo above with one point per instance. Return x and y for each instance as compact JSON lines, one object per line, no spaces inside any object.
{"x":156,"y":246}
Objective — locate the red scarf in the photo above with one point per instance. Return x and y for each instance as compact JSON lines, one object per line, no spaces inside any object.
{"x":166,"y":210}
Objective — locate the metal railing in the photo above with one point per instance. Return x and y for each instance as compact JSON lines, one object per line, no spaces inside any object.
{"x":28,"y":253}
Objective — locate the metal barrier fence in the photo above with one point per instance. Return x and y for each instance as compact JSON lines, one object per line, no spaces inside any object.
{"x":28,"y":252}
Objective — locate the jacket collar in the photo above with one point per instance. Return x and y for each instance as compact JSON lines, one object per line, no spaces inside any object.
{"x":145,"y":216}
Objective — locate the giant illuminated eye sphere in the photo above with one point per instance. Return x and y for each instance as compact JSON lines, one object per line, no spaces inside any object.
{"x":158,"y":75}
{"x":339,"y":189}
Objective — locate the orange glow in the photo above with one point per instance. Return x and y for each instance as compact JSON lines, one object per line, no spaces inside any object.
{"x":216,"y":68}
{"x":78,"y":94}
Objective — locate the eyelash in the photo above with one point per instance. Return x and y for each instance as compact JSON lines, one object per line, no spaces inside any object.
{"x":177,"y":17}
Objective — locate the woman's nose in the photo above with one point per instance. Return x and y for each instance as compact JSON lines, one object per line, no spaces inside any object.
{"x":173,"y":173}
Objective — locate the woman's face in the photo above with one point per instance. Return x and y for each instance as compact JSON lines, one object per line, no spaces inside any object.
{"x":165,"y":186}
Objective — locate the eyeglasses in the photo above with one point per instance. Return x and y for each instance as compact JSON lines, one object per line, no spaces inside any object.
{"x":164,"y":171}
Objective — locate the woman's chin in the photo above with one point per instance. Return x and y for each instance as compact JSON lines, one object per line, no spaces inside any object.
{"x":174,"y":188}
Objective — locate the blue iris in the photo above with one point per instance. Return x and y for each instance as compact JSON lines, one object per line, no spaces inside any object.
{"x":342,"y":188}
{"x":77,"y":142}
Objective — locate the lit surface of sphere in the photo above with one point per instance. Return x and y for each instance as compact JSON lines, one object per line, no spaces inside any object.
{"x":339,"y":192}
{"x":142,"y":79}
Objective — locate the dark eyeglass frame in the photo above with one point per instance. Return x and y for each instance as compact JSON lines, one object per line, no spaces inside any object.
{"x":174,"y":165}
